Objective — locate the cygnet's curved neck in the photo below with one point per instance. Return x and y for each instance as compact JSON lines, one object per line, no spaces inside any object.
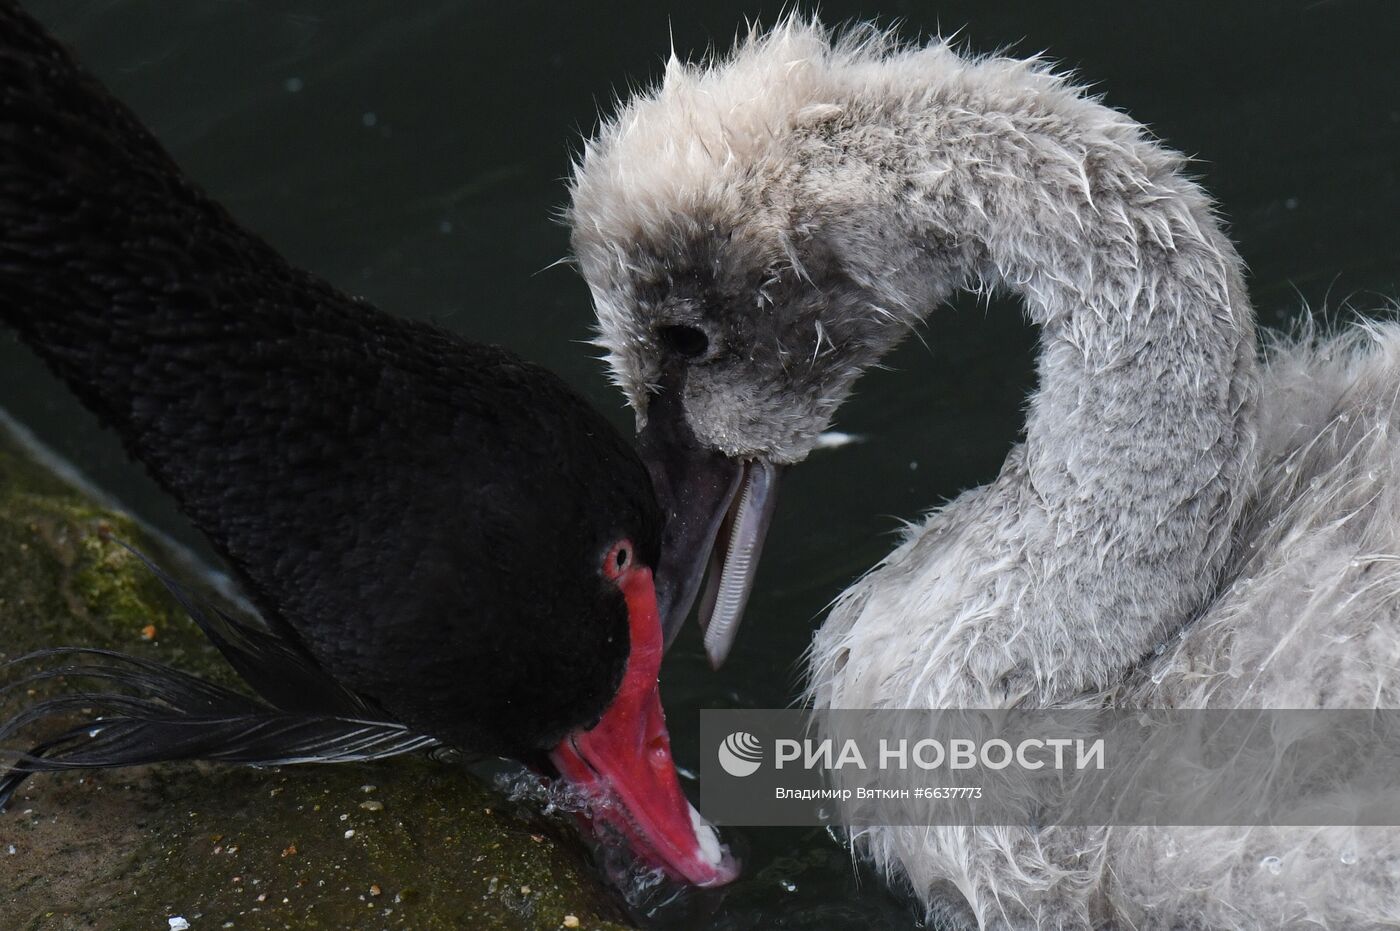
{"x":1108,"y":527}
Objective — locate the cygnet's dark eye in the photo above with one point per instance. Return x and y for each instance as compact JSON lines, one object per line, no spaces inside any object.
{"x":688,"y":341}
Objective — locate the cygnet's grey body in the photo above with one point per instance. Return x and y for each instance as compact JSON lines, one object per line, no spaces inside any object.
{"x":1188,"y":523}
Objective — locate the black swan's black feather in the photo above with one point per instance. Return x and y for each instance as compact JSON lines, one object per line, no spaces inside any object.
{"x":278,"y":669}
{"x":157,"y":713}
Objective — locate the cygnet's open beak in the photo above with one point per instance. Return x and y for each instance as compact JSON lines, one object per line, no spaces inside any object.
{"x":717,"y":515}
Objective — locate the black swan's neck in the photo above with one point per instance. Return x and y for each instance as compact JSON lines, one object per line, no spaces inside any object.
{"x":124,"y":276}
{"x":180,"y":329}
{"x":255,"y":393}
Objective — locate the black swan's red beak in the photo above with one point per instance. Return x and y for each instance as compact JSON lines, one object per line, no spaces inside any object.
{"x":624,"y":761}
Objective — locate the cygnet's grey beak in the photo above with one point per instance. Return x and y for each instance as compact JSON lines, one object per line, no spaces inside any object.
{"x":717,"y":514}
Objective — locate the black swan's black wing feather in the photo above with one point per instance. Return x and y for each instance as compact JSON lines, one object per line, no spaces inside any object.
{"x":155,"y":680}
{"x":148,"y":712}
{"x":271,"y":738}
{"x":277,"y":668}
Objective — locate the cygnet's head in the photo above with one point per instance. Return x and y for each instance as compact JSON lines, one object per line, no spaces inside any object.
{"x":750,"y":243}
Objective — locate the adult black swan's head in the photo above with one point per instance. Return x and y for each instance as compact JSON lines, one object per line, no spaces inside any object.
{"x":447,"y":544}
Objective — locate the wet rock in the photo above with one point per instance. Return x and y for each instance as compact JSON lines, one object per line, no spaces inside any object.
{"x":404,"y":843}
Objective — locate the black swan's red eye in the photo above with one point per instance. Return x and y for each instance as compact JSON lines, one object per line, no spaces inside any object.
{"x":618,"y":559}
{"x":687,"y":341}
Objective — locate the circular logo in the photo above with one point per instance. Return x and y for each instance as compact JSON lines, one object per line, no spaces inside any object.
{"x":740,"y":754}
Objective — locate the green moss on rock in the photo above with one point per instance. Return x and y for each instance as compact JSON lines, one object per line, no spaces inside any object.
{"x":400,"y":844}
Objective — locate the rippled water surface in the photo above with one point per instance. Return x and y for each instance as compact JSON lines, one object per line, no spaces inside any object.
{"x":412,"y":153}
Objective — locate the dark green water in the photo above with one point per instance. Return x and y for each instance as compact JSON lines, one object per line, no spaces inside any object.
{"x":412,"y":153}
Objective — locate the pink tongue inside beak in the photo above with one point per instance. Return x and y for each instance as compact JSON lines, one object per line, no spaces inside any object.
{"x":624,"y":761}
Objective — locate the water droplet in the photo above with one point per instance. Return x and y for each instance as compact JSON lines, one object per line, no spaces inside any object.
{"x":1273,"y":864}
{"x":294,"y":85}
{"x":1348,"y":856}
{"x":370,"y":119}
{"x":788,"y":885}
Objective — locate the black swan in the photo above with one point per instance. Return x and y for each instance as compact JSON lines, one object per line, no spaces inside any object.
{"x":446,"y":543}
